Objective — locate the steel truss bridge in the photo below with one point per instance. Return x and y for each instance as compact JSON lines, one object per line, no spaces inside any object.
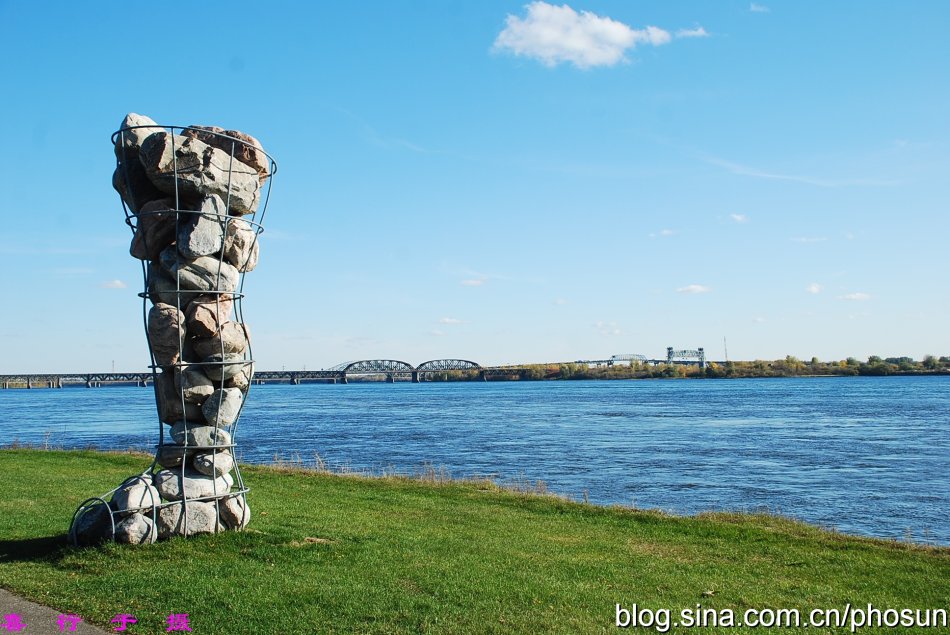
{"x":392,"y":369}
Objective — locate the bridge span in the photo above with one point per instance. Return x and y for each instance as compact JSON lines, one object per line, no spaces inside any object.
{"x":390,"y":368}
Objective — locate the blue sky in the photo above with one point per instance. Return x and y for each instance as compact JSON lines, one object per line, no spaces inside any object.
{"x":500,"y":181}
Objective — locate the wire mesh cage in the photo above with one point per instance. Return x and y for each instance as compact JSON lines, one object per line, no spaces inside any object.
{"x":195,"y":198}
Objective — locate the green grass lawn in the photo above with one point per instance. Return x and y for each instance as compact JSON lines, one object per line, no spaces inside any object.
{"x":343,"y":554}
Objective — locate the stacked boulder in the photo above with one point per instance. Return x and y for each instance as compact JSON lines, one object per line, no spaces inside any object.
{"x":187,"y":191}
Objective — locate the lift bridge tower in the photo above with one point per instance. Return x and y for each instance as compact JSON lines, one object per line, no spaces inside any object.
{"x":686,"y":356}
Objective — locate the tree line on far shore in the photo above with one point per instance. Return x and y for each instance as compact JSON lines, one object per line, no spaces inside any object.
{"x":791,"y":366}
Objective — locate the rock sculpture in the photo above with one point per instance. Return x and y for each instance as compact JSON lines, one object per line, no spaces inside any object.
{"x":193,"y":197}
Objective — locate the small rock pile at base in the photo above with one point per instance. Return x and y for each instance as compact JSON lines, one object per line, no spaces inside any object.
{"x":186,"y":192}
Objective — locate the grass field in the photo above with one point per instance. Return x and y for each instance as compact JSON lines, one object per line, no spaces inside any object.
{"x":344,"y":554}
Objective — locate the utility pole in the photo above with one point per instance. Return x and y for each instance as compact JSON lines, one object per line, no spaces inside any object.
{"x":726,"y":348}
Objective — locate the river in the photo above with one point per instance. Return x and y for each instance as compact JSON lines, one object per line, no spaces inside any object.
{"x":864,"y":455}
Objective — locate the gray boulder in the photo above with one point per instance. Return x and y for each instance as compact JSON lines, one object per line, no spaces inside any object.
{"x":200,"y":435}
{"x":93,"y":525}
{"x":130,"y":178}
{"x":202,"y":233}
{"x":213,"y":464}
{"x":133,"y":185}
{"x":201,"y":274}
{"x":136,"y":529}
{"x":132,"y":134}
{"x":169,"y":401}
{"x":223,"y":367}
{"x":173,"y":486}
{"x":163,"y":289}
{"x":135,"y":494}
{"x":241,"y":247}
{"x":241,"y":380}
{"x":200,"y":170}
{"x":223,"y":407}
{"x":232,"y":337}
{"x":234,"y":511}
{"x":194,"y":384}
{"x":166,"y":333}
{"x":172,"y":455}
{"x":200,"y":518}
{"x":244,"y":147}
{"x":155,"y":229}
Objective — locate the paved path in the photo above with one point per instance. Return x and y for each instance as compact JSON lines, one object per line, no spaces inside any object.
{"x":38,"y":619}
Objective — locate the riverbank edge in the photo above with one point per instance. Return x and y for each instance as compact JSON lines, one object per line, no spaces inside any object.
{"x":398,"y":554}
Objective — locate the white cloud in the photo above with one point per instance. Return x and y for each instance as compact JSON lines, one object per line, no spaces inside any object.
{"x":449,"y":320}
{"x":809,"y":239}
{"x":696,"y":32}
{"x":473,"y":282}
{"x":113,"y":284}
{"x":694,"y":288}
{"x":855,"y":297}
{"x":665,"y":233}
{"x":758,"y":8}
{"x":652,"y":35}
{"x":608,"y":329}
{"x":759,"y":319}
{"x":437,"y":333}
{"x":555,"y":34}
{"x":814,"y":287}
{"x":739,"y":218}
{"x":560,"y":301}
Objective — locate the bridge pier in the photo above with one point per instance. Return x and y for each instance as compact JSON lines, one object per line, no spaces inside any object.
{"x":343,"y":380}
{"x":415,"y":377}
{"x":29,"y":382}
{"x":390,"y":378}
{"x":482,"y":376}
{"x":295,"y":381}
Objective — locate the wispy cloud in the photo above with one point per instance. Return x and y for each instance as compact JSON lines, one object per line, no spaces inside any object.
{"x":758,"y":8}
{"x":745,"y":170}
{"x":608,"y":329}
{"x":664,"y":233}
{"x":560,"y":301}
{"x":855,"y":297}
{"x":449,"y":320}
{"x":694,"y":288}
{"x":473,"y":282}
{"x":371,"y":135}
{"x":113,"y":284}
{"x":554,"y":34}
{"x":808,"y":239}
{"x":814,"y":288}
{"x":694,"y":32}
{"x":739,"y":218}
{"x":437,"y":333}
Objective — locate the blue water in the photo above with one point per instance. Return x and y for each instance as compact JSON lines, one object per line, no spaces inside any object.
{"x":865,"y":455}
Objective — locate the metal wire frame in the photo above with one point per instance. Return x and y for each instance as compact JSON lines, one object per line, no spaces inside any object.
{"x":235,"y":296}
